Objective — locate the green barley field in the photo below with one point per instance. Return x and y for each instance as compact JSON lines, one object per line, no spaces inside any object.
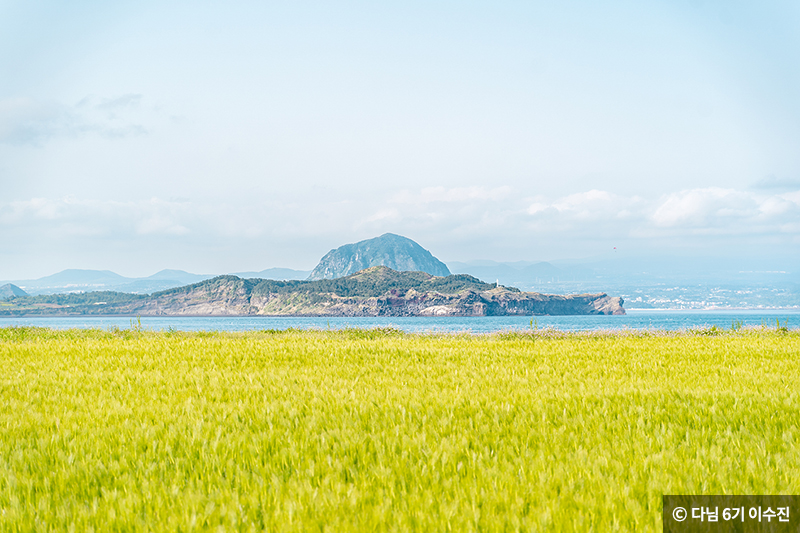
{"x":368,"y":430}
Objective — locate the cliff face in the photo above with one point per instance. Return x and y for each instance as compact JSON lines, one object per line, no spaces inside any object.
{"x":378,"y":291}
{"x":390,"y":250}
{"x":496,"y":302}
{"x":228,"y":296}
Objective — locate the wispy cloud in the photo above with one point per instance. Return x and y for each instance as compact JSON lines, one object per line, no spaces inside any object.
{"x":211,"y":221}
{"x":71,"y":217}
{"x":112,"y":104}
{"x":33,"y":122}
{"x":25,"y":121}
{"x":774,"y":182}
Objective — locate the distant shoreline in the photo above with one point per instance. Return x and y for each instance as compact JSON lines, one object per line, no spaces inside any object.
{"x":714,"y":309}
{"x":629,"y":311}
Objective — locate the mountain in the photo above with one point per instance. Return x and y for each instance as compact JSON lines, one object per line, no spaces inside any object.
{"x":377,"y":291}
{"x":180,"y":276}
{"x":161,"y":280}
{"x":76,"y":280}
{"x":9,"y":290}
{"x":275,"y":273}
{"x":390,"y":250}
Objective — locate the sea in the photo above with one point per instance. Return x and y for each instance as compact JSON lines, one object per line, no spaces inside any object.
{"x":670,"y":320}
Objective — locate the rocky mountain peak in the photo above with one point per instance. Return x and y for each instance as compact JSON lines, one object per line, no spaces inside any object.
{"x":390,"y":250}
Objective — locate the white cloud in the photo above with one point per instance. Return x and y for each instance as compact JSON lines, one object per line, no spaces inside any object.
{"x":705,"y":207}
{"x":593,"y":214}
{"x":693,"y":211}
{"x":161,"y":217}
{"x":596,"y":205}
{"x":793,"y":197}
{"x":538,"y":207}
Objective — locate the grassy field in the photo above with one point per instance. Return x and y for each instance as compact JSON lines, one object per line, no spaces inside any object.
{"x":368,"y":430}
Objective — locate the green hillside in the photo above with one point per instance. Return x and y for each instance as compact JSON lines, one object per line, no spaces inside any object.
{"x":370,"y":283}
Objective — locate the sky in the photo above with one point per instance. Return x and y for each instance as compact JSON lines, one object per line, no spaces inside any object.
{"x":221,"y":137}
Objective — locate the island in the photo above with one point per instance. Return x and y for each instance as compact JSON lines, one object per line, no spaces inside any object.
{"x":372,"y":292}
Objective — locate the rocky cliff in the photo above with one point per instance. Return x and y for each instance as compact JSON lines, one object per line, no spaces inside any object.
{"x":377,"y":291}
{"x":390,"y":250}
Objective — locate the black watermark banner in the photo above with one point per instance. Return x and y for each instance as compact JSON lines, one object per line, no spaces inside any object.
{"x":690,"y":514}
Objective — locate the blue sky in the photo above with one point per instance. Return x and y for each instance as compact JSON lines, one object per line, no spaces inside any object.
{"x":217,"y":137}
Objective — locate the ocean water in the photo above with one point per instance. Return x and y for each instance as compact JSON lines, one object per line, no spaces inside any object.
{"x":635,"y":320}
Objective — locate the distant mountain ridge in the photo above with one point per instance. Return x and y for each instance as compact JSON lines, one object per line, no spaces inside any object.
{"x":393,"y":251}
{"x":83,"y":280}
{"x":283,"y":274}
{"x":377,"y":291}
{"x":79,"y":277}
{"x":79,"y":280}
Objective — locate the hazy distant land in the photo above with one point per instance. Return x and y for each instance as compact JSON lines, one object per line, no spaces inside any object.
{"x":658,"y":283}
{"x":641,"y":289}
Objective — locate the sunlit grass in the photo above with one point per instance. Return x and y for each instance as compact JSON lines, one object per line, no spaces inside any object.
{"x":380,"y":430}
